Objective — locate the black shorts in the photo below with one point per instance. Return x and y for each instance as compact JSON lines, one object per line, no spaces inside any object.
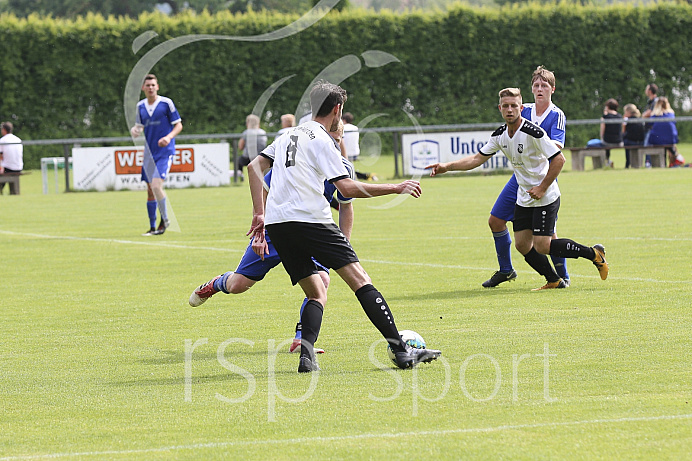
{"x":541,"y":220}
{"x":298,"y":242}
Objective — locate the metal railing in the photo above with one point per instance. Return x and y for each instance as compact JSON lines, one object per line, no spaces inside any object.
{"x":397,"y":131}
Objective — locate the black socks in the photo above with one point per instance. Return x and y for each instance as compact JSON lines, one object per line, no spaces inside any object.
{"x":311,"y":320}
{"x":378,"y":312}
{"x":540,"y":264}
{"x":566,"y":248}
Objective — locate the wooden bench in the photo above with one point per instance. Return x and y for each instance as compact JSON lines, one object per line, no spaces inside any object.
{"x":13,"y":180}
{"x":657,"y":155}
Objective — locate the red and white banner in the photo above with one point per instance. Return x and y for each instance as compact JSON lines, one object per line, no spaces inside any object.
{"x":118,"y":168}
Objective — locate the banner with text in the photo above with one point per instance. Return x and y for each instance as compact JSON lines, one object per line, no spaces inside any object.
{"x":118,"y":168}
{"x":421,"y":150}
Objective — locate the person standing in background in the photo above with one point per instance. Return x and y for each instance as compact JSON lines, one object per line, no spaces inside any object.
{"x":11,"y":151}
{"x":288,"y":121}
{"x":159,"y":120}
{"x":651,"y":92}
{"x":253,"y":142}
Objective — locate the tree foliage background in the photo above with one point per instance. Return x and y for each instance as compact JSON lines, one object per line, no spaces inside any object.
{"x":66,"y":78}
{"x":133,"y":8}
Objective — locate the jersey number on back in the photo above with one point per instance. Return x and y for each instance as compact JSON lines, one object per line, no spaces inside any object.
{"x":291,"y":152}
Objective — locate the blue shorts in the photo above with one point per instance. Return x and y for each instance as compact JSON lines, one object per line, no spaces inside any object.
{"x":252,"y":266}
{"x":155,"y":168}
{"x":504,"y":205}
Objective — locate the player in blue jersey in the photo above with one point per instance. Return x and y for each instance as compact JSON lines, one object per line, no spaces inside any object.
{"x":252,"y":268}
{"x":160,"y":122}
{"x":549,"y":117}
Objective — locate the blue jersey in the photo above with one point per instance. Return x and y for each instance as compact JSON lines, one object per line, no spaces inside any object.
{"x":158,"y":120}
{"x":552,"y":121}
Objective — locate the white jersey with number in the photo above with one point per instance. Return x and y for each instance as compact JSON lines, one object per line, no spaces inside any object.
{"x":303,"y":159}
{"x":529,"y":150}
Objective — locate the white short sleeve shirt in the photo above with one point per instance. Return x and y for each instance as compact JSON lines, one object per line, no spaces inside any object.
{"x":529,"y":150}
{"x":304,"y":158}
{"x":351,"y":141}
{"x":12,"y":154}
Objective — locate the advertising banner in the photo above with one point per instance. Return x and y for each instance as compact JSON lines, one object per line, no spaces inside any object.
{"x":421,"y":150}
{"x":118,"y":168}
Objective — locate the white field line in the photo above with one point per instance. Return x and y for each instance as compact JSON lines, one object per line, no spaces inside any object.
{"x":340,"y":438}
{"x":370,"y":261}
{"x":125,"y":242}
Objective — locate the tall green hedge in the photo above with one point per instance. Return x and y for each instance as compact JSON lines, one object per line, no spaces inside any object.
{"x":66,"y":79}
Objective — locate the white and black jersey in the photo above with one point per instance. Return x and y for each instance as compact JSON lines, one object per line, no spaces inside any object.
{"x":529,"y":150}
{"x":303,"y":158}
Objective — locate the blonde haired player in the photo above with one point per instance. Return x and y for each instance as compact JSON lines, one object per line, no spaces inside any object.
{"x":537,"y":162}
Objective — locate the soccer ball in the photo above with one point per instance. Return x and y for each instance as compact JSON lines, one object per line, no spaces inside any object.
{"x":411,"y":338}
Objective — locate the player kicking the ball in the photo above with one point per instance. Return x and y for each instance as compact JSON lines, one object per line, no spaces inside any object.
{"x":253,"y":268}
{"x":537,"y":162}
{"x":299,"y":223}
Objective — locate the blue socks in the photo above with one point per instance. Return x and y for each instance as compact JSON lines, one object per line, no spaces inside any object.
{"x":299,"y":332}
{"x":220,"y":283}
{"x":151,"y":210}
{"x":560,"y":267}
{"x":503,"y":248}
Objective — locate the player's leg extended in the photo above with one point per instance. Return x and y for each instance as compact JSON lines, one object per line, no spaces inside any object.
{"x":373,"y":303}
{"x":567,"y":248}
{"x":250,"y":270}
{"x":539,"y":262}
{"x":380,"y":315}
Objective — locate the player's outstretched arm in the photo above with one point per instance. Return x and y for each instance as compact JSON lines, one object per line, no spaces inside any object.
{"x":463,"y":164}
{"x":356,"y":189}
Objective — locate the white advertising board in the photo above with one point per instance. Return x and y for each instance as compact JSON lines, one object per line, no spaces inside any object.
{"x":420,"y":150}
{"x":118,"y":168}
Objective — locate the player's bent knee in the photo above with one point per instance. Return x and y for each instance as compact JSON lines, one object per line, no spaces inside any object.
{"x":354,"y":275}
{"x":522,"y":247}
{"x":542,"y":244}
{"x":496,"y":224}
{"x":325,"y":278}
{"x":237,"y":284}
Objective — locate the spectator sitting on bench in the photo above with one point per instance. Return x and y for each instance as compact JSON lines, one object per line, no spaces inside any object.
{"x":611,"y":133}
{"x":633,"y":131}
{"x":663,"y":133}
{"x":11,"y":154}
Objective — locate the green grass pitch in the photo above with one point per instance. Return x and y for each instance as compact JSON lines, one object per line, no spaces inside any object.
{"x":102,"y":358}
